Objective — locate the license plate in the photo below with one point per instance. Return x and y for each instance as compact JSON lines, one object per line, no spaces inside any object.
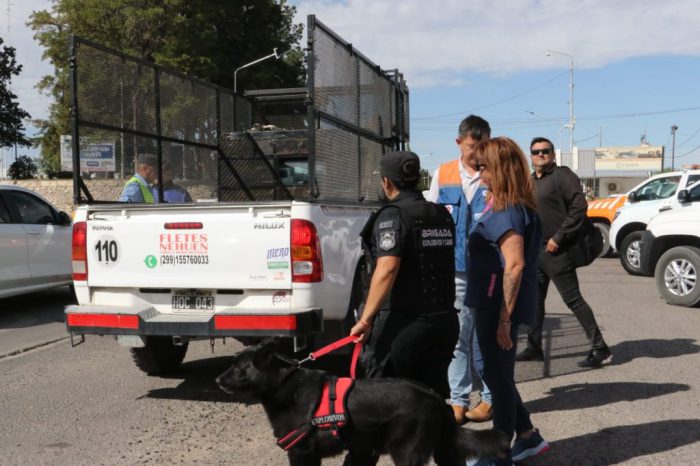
{"x":193,"y":302}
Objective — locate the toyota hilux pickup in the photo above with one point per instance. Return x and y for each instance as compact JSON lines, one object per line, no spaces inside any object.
{"x":283,"y":181}
{"x":671,"y":249}
{"x":656,"y":195}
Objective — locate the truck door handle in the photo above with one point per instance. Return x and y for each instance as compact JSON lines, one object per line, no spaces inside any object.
{"x":664,"y":209}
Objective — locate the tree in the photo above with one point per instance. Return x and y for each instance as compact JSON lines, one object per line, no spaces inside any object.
{"x":208,"y":39}
{"x":11,"y":115}
{"x":23,"y":168}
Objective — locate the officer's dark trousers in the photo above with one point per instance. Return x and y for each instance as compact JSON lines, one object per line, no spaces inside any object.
{"x":560,"y":270}
{"x":417,"y":347}
{"x":509,"y":414}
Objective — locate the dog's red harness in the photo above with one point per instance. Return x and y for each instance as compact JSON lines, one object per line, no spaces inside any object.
{"x":331,"y":412}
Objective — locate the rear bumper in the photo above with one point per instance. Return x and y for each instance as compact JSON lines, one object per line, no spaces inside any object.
{"x":114,"y":320}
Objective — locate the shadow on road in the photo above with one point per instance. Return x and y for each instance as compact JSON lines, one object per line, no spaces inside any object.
{"x":588,"y":395}
{"x":617,"y":445}
{"x":198,"y":382}
{"x":46,"y":307}
{"x":627,"y":351}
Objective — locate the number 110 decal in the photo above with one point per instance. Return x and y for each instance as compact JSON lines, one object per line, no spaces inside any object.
{"x":106,"y":251}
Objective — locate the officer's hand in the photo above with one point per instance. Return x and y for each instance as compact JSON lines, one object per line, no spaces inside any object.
{"x":503,"y":335}
{"x":552,"y":246}
{"x":361,"y":329}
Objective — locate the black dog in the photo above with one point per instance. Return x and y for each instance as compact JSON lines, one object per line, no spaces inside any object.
{"x":395,"y":416}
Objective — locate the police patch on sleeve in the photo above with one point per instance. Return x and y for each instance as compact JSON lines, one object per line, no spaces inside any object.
{"x":387,"y":240}
{"x":386,"y":224}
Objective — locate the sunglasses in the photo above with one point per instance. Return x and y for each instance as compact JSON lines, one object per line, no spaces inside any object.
{"x":540,"y":151}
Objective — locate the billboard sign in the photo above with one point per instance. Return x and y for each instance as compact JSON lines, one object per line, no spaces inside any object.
{"x":94,"y":156}
{"x":633,"y":158}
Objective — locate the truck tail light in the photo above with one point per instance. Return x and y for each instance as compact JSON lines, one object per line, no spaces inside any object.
{"x":307,"y":266}
{"x":80,"y":267}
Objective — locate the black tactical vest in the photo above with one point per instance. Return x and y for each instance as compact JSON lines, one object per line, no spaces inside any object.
{"x":426,"y":279}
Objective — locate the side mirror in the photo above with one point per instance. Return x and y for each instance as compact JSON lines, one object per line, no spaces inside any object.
{"x":632,"y":197}
{"x":64,"y":218}
{"x":683,"y":196}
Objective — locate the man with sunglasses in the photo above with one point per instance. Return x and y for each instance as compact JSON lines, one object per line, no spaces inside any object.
{"x":561,"y":206}
{"x":457,"y":185}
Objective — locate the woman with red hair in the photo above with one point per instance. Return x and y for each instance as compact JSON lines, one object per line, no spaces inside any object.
{"x":504,"y":248}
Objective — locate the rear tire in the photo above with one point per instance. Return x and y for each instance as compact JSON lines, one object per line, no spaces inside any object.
{"x":630,"y":252}
{"x":159,"y":356}
{"x":604,"y":230}
{"x":677,"y":276}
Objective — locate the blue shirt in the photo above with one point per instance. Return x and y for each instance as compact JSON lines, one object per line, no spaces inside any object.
{"x":132,"y":191}
{"x":485,"y":290}
{"x":173,"y":194}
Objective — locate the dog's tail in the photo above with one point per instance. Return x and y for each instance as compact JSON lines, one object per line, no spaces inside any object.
{"x":483,"y":443}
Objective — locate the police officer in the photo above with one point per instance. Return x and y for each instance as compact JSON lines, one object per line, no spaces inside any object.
{"x":409,"y":321}
{"x":138,"y":188}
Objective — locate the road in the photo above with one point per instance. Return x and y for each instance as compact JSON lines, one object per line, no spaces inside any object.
{"x":90,"y":405}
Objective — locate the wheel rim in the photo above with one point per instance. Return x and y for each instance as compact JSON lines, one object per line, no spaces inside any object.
{"x":633,"y":254}
{"x":680,"y":277}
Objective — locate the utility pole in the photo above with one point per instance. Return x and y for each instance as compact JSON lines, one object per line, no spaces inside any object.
{"x":572,"y":119}
{"x":674,"y":128}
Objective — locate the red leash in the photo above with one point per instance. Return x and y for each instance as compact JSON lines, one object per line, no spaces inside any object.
{"x":334,"y":346}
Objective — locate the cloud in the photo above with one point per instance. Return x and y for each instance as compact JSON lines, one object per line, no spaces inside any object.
{"x":15,"y":33}
{"x":437,"y":43}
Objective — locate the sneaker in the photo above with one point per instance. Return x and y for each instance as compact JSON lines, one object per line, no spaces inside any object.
{"x":529,"y":354}
{"x":490,"y":462}
{"x":527,"y":448}
{"x":595,"y":358}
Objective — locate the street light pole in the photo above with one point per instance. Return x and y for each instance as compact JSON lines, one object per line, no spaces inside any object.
{"x":560,"y":123}
{"x":273,"y":54}
{"x":572,"y":119}
{"x":674,"y":128}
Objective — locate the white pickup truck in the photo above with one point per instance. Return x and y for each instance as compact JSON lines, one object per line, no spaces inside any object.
{"x":655,"y":195}
{"x":671,"y":249}
{"x":160,"y":276}
{"x":283,"y":181}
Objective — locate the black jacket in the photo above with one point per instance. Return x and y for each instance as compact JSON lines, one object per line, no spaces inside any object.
{"x":561,"y":204}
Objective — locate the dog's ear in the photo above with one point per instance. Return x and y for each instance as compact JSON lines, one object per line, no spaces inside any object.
{"x":264,"y":355}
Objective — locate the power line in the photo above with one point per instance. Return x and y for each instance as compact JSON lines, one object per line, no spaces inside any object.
{"x":687,"y":153}
{"x":494,"y":103}
{"x":689,"y":137}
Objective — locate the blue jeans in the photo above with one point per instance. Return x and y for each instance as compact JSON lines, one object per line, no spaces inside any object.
{"x":509,"y":413}
{"x":467,"y":353}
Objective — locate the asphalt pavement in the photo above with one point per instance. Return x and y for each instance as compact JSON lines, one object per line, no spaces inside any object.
{"x":90,"y":405}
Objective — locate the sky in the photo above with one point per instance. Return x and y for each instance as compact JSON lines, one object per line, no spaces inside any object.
{"x":636,"y":67}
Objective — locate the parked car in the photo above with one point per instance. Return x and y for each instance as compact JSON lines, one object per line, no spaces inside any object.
{"x":35,"y":243}
{"x":670,"y":249}
{"x":644,"y":202}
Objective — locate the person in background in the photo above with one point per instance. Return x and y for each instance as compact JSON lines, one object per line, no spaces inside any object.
{"x":139,"y":188}
{"x":457,"y":186}
{"x":562,"y":208}
{"x":172,"y":193}
{"x":503,"y":254}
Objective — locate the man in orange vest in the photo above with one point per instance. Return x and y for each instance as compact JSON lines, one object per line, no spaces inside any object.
{"x":457,"y":186}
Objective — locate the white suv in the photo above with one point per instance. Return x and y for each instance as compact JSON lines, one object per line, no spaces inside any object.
{"x":671,"y":249}
{"x":656,"y":195}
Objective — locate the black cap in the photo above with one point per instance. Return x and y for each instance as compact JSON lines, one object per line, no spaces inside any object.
{"x":401,"y":166}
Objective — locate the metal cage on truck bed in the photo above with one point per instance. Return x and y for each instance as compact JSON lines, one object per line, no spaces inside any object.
{"x":320,"y":142}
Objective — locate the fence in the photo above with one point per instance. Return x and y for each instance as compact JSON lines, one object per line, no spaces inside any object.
{"x":321,"y":142}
